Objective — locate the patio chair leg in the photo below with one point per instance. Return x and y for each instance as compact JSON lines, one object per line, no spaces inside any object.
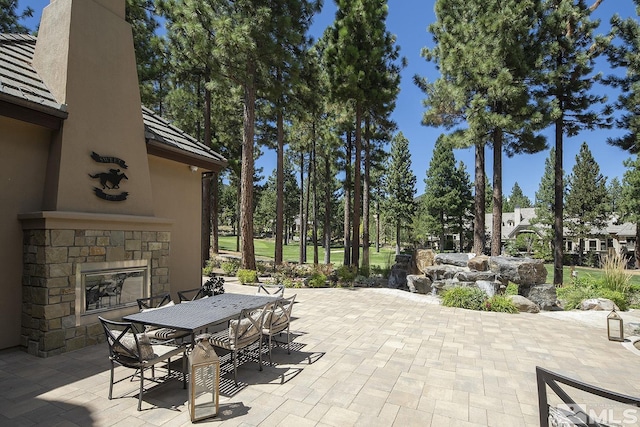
{"x":141,"y":389}
{"x":288,"y":341}
{"x":260,"y":355}
{"x":111,"y":381}
{"x":270,"y":361}
{"x":184,"y":371}
{"x":234,"y":356}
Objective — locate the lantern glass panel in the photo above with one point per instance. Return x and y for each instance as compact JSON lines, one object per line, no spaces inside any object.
{"x":204,"y":380}
{"x":204,"y":390}
{"x":615,"y":327}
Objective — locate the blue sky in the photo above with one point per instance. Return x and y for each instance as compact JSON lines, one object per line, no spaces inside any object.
{"x":408,"y":20}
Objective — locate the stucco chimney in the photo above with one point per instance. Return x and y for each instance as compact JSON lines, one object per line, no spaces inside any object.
{"x":85,"y":55}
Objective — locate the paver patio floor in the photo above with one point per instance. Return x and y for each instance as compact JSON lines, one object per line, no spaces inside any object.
{"x":360,"y":357}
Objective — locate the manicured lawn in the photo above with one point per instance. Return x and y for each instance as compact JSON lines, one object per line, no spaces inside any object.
{"x":384,"y":259}
{"x":291,"y":252}
{"x":594,"y":273}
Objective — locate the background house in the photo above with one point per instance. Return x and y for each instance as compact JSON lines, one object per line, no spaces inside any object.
{"x":101,"y":198}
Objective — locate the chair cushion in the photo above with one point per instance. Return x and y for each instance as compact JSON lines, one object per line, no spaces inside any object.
{"x":247,"y":332}
{"x":164,"y":333}
{"x":128,"y":345}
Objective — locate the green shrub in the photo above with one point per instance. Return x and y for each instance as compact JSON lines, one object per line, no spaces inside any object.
{"x":230,"y":267}
{"x":615,"y":277}
{"x":587,"y":288}
{"x":208,"y":269}
{"x":572,"y":295}
{"x":618,"y":298}
{"x":247,"y":276}
{"x":512,"y":289}
{"x":318,"y":280}
{"x":346,"y":274}
{"x":469,"y":298}
{"x":500,"y":304}
{"x":378,"y":271}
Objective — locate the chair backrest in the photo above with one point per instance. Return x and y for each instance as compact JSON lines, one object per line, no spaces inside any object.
{"x":271,"y":290}
{"x":155,"y":301}
{"x":191,"y":294}
{"x":572,"y":413}
{"x":280,"y":313}
{"x":248,"y":327}
{"x":124,"y":344}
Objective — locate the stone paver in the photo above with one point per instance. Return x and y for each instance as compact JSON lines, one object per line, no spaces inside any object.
{"x":379,"y":357}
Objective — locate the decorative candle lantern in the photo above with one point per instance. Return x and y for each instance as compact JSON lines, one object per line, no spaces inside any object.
{"x":615,"y":326}
{"x":204,"y":380}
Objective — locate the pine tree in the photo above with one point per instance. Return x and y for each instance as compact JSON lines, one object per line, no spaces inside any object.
{"x":442,"y":194}
{"x":149,"y":47}
{"x":485,"y":53}
{"x":627,"y":55}
{"x":566,"y":36}
{"x":359,"y":55}
{"x":10,"y":19}
{"x":544,"y":203}
{"x":630,"y":202}
{"x":517,"y":199}
{"x":614,"y":190}
{"x":587,"y":201}
{"x":400,"y":186}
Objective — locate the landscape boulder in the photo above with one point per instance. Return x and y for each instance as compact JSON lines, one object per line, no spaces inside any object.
{"x":479,"y":263}
{"x":544,"y":295}
{"x":489,"y":287}
{"x":444,"y":271}
{"x":425,"y":258}
{"x":419,"y":284}
{"x":399,"y":272}
{"x":460,"y":260}
{"x":598,"y":304}
{"x":523,"y":304}
{"x":522,"y":271}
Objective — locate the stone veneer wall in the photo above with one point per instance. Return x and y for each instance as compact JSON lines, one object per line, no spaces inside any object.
{"x":49,"y":281}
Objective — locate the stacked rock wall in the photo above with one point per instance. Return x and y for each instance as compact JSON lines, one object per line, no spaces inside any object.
{"x":491,"y":274}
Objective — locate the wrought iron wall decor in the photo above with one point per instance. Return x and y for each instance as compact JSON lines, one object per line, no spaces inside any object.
{"x":109,"y":180}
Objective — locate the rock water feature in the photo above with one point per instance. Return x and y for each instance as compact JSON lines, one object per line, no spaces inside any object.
{"x":491,"y":274}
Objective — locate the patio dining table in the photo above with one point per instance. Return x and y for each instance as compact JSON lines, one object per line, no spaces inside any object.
{"x":195,"y":316}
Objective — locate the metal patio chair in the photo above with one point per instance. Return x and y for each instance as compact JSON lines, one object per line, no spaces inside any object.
{"x":135,"y":351}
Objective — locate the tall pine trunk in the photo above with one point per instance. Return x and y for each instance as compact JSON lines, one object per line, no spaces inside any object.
{"x":377,"y":218}
{"x":206,"y":183}
{"x":205,"y":237}
{"x":558,"y":211}
{"x":306,"y":208}
{"x":357,"y":190}
{"x":496,"y":227}
{"x":478,"y":221}
{"x":365,"y":199}
{"x":314,"y":182}
{"x":279,"y":189}
{"x":636,"y":250}
{"x":248,"y":257}
{"x":347,"y":203}
{"x":303,"y":220}
{"x":327,"y":210}
{"x":215,"y":208}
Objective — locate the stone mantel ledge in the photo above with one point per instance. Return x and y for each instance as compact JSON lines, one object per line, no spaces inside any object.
{"x":52,"y":220}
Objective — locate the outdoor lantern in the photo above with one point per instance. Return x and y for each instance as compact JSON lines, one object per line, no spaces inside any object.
{"x":615,"y":327}
{"x":204,"y":380}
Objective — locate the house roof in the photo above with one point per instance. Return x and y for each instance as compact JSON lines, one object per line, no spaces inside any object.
{"x":166,"y":140}
{"x":24,"y":96}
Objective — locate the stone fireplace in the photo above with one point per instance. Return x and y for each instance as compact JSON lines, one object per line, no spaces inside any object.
{"x":73,"y":275}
